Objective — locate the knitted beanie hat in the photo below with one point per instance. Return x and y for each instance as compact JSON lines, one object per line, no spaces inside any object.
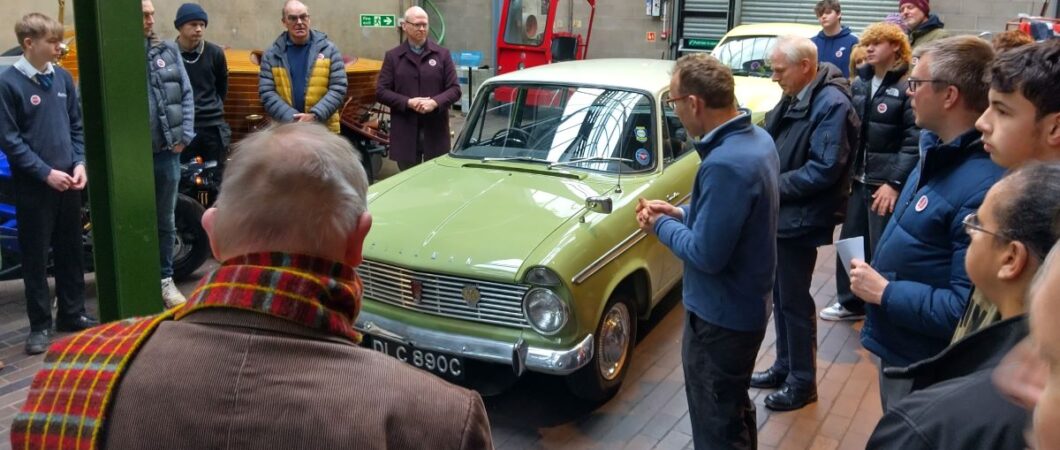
{"x":189,"y":12}
{"x":923,"y":5}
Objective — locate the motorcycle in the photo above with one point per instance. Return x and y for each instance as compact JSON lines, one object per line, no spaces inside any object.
{"x":198,"y":189}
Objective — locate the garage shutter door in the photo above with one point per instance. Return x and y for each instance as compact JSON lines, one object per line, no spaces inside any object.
{"x":857,"y":14}
{"x":704,"y":19}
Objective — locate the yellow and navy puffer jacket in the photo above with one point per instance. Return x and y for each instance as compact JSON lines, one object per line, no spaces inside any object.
{"x":325,"y":90}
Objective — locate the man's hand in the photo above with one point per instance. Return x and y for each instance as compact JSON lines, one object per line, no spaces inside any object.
{"x":427,"y":105}
{"x":866,"y":282}
{"x":59,"y":180}
{"x":178,"y":148}
{"x":884,"y":199}
{"x":305,"y":117}
{"x":80,"y":178}
{"x":649,"y":211}
{"x":414,"y":103}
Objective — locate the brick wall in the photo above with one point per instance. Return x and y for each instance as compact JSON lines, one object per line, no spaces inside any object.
{"x":975,"y":16}
{"x":250,"y":24}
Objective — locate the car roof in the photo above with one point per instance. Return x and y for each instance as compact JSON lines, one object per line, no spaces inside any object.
{"x":775,"y":29}
{"x":652,"y":75}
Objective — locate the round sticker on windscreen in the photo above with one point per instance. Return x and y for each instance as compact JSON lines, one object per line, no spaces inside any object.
{"x":643,"y":157}
{"x":641,"y":134}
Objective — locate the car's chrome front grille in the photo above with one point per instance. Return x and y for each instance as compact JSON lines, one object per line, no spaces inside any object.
{"x":443,"y":295}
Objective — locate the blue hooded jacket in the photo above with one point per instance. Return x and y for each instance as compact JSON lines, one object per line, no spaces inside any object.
{"x":836,"y":49}
{"x":921,"y":252}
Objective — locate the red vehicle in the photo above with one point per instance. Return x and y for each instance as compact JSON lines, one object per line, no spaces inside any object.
{"x":526,"y":37}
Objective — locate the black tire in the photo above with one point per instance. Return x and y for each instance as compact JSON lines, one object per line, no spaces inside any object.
{"x":593,"y":382}
{"x":192,"y":246}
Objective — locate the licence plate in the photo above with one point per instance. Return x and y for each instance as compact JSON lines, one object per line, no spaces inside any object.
{"x":446,"y":366}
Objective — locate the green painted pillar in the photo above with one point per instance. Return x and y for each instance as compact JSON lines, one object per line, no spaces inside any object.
{"x":111,"y":61}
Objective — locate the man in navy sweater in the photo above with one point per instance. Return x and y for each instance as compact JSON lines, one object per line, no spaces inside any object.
{"x":41,"y":134}
{"x":835,"y":42}
{"x":727,"y":240}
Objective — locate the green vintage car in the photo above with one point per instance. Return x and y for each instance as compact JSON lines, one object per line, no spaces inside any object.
{"x":520,"y":247}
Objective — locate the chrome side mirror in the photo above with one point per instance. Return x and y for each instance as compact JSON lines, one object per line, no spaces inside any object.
{"x":600,"y":205}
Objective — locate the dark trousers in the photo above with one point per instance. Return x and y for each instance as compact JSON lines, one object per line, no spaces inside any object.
{"x":211,"y":143}
{"x":718,"y":363}
{"x":860,"y":221}
{"x":406,"y":165}
{"x":794,"y":313}
{"x":49,"y":218}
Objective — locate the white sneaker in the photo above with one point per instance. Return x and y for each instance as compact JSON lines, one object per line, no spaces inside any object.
{"x":837,"y":312}
{"x":171,"y":296}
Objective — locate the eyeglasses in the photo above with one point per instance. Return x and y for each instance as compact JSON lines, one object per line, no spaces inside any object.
{"x":419,"y":25}
{"x":914,"y":83}
{"x":299,"y":18}
{"x":972,"y":225}
{"x":672,"y":101}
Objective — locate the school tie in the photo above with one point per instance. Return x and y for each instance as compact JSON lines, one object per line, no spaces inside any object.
{"x":45,"y":80}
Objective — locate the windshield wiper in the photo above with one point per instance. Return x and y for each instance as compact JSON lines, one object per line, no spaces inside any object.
{"x":590,"y":159}
{"x":515,"y":158}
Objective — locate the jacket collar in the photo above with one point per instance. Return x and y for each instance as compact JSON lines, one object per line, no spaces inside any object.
{"x":937,"y":155}
{"x":827,"y":75}
{"x":428,"y":47}
{"x":739,"y":124}
{"x":933,"y":22}
{"x":982,"y":349}
{"x":867,"y":72}
{"x":284,"y":38}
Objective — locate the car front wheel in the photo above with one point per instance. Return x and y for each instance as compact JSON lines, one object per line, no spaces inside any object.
{"x":613,"y":343}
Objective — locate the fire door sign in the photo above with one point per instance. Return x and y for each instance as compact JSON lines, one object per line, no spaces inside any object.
{"x":378,"y":20}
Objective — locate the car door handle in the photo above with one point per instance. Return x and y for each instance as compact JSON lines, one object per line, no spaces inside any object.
{"x":672,"y":196}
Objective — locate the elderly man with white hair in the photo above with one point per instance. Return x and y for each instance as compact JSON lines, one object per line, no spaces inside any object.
{"x":815,"y":128}
{"x":264,"y":353}
{"x":418,"y":82}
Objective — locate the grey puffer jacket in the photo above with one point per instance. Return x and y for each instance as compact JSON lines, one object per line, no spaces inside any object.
{"x":170,"y":97}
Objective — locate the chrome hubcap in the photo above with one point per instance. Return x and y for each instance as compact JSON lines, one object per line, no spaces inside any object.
{"x":614,"y":339}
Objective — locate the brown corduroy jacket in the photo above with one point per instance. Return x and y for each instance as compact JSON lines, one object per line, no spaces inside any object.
{"x":231,"y":379}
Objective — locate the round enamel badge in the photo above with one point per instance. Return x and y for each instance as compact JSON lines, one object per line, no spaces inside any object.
{"x":432,"y":62}
{"x":882,"y":108}
{"x":35,"y":100}
{"x":922,"y":203}
{"x":160,"y":63}
{"x":320,"y":56}
{"x":643,"y":157}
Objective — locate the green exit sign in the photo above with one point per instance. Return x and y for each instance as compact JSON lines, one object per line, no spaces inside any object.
{"x":378,"y":20}
{"x":700,"y":44}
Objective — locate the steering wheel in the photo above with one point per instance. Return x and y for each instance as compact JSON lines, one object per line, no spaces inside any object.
{"x":512,"y":137}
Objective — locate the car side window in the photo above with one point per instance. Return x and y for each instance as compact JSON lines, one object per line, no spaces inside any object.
{"x":675,"y":139}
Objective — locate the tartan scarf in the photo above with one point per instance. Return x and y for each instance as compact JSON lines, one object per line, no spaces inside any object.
{"x":70,"y":397}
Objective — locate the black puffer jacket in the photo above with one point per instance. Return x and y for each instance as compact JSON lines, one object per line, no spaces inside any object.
{"x":889,"y":136}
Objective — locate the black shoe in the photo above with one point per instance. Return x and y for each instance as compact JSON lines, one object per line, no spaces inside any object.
{"x":79,"y":323}
{"x":790,"y":398}
{"x":38,"y":342}
{"x":768,"y":379}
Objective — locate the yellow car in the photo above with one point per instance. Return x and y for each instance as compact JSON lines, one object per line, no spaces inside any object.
{"x":745,"y":49}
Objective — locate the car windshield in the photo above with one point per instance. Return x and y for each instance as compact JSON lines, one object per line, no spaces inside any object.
{"x":612,"y":130}
{"x":747,"y":55}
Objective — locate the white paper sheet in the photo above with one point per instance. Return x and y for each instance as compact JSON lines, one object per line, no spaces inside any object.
{"x":849,"y":249}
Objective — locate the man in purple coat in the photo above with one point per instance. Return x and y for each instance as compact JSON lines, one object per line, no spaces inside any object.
{"x":418,"y":82}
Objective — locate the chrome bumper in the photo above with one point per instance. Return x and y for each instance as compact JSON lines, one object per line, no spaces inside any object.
{"x":518,"y":355}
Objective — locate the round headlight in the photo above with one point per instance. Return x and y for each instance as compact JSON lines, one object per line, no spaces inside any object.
{"x":546,"y":312}
{"x":542,"y":276}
